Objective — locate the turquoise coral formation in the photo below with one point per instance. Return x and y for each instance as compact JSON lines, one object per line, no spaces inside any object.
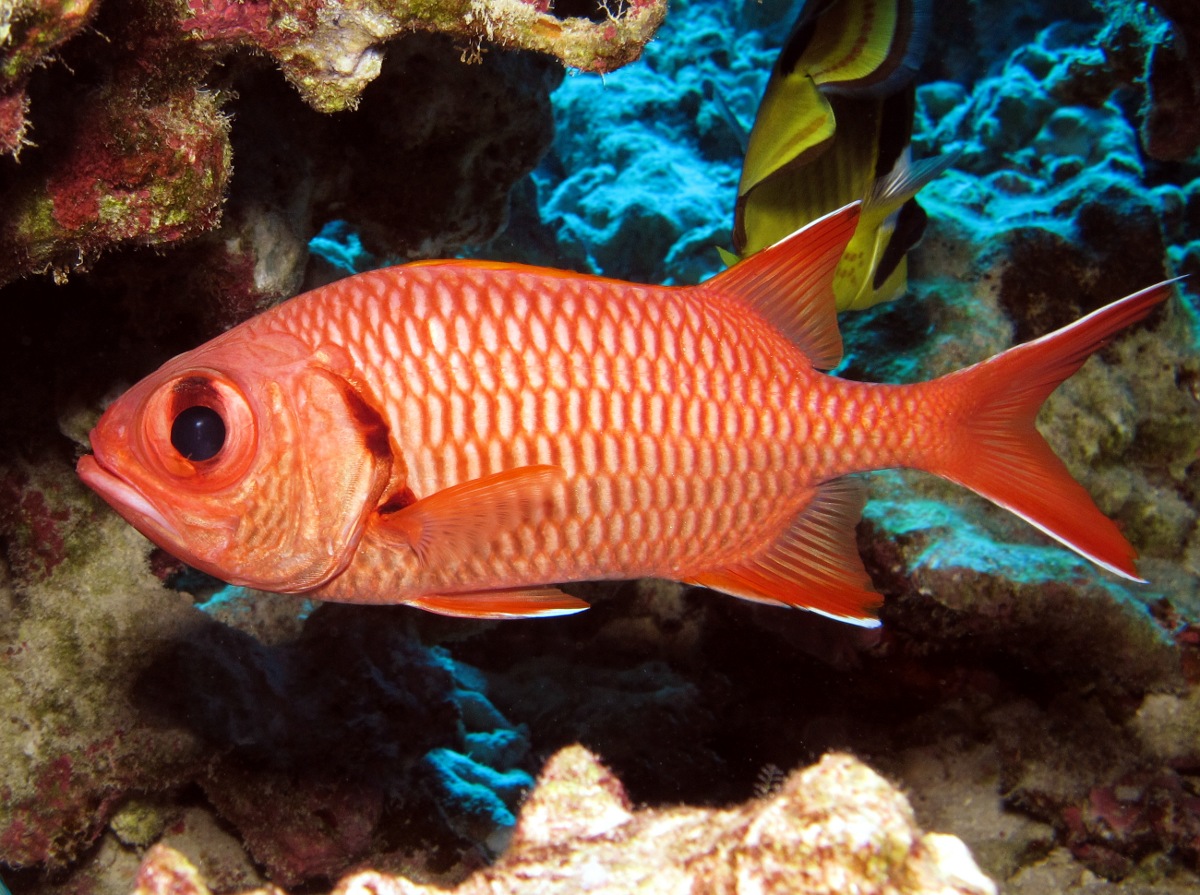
{"x":641,"y":179}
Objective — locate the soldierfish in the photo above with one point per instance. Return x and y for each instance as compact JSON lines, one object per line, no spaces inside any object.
{"x":461,"y":435}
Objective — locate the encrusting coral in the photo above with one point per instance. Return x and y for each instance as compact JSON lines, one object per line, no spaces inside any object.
{"x":131,"y":145}
{"x":832,"y":828}
{"x":331,"y":51}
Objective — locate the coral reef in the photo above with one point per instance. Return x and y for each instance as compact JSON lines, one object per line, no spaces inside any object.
{"x":835,"y":827}
{"x":643,"y":174}
{"x":127,"y":140}
{"x":1039,"y":710}
{"x":425,"y":738}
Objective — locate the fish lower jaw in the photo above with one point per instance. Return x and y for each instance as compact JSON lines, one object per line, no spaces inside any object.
{"x":129,"y":503}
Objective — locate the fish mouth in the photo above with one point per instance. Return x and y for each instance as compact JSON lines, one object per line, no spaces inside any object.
{"x":126,"y":499}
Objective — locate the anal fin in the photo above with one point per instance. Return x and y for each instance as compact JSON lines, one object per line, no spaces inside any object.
{"x":815,"y":565}
{"x":515,"y":602}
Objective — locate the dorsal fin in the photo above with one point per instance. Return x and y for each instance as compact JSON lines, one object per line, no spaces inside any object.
{"x":905,"y":180}
{"x":815,"y":564}
{"x":791,"y":284}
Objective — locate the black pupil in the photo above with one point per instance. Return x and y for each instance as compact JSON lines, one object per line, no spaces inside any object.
{"x":198,"y":433}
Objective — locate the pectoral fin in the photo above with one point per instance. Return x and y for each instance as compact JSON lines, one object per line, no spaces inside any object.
{"x":873,"y":268}
{"x":814,"y":566}
{"x":519,"y":602}
{"x":467,"y":519}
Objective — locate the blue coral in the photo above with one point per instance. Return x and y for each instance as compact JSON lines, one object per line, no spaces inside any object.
{"x":643,"y":173}
{"x":339,"y":245}
{"x":1032,"y":149}
{"x":479,"y":786}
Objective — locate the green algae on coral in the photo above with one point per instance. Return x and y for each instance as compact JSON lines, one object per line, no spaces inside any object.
{"x":76,"y":747}
{"x":143,"y":170}
{"x":29,"y":30}
{"x":140,"y":822}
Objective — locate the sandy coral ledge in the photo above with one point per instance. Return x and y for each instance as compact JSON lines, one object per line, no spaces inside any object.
{"x":834,"y":827}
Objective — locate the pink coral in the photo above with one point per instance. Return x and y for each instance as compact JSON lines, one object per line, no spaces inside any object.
{"x":145,"y":167}
{"x":228,"y":20}
{"x":1120,"y":824}
{"x":30,"y":33}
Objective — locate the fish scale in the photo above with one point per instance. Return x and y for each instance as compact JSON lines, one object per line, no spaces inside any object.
{"x":666,"y":454}
{"x":460,"y":436}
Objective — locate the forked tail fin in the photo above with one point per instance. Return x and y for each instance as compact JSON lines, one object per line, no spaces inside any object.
{"x":998,"y":453}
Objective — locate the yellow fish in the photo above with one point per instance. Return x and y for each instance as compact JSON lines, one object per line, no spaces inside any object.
{"x":833,"y":127}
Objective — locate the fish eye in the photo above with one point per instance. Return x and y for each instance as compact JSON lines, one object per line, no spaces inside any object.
{"x":198,"y":429}
{"x":198,"y":433}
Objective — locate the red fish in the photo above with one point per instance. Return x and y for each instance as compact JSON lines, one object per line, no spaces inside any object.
{"x":460,"y":436}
